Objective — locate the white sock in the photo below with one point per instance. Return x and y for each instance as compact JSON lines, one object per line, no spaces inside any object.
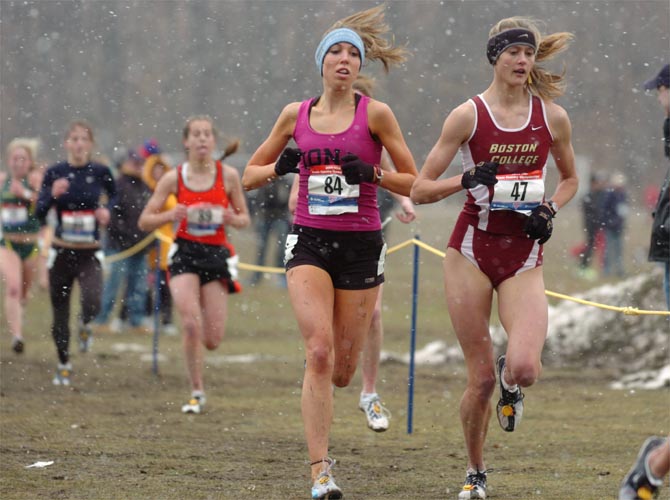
{"x":367,"y":396}
{"x":510,"y":388}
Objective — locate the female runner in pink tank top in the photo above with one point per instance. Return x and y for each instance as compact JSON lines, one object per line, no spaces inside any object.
{"x":335,"y":253}
{"x":505,"y":135}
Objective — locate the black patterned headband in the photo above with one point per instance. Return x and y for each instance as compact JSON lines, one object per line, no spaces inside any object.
{"x":516,"y":36}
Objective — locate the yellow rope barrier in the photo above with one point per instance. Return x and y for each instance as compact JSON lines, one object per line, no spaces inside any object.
{"x":129,"y":252}
{"x":266,"y":269}
{"x":627,"y":310}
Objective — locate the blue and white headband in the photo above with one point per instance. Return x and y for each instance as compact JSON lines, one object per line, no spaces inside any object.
{"x":338,"y":35}
{"x":515,"y":36}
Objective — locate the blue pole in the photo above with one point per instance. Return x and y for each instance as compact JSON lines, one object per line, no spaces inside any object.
{"x":412,"y":347}
{"x":157,"y":308}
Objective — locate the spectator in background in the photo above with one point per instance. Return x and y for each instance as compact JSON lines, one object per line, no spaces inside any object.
{"x":653,"y":460}
{"x":270,"y":208}
{"x":122,"y":236}
{"x":155,"y":167}
{"x":659,"y":250}
{"x":592,"y":209}
{"x":615,"y":212}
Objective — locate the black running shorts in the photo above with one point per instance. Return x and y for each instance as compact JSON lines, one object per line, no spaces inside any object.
{"x":209,"y":262}
{"x":354,"y":260}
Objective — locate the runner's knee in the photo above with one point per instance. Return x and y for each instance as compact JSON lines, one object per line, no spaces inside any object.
{"x":524,"y":373}
{"x":483,"y":385}
{"x":190,"y":326}
{"x":320,"y":359}
{"x":13,"y":291}
{"x":342,"y":379}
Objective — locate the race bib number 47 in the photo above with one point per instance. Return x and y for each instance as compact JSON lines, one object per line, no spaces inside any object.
{"x":518,"y":192}
{"x":329,"y":193}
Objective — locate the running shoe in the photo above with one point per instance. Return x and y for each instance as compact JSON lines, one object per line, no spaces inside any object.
{"x":510,"y":404}
{"x":378,"y":417}
{"x":18,"y":345}
{"x":324,"y":486}
{"x":639,"y":483}
{"x":170,"y":330}
{"x":63,"y":373}
{"x":117,"y":326}
{"x":475,"y":485}
{"x":195,"y":405}
{"x":85,"y":338}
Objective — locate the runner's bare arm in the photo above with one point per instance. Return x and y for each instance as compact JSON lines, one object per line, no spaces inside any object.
{"x":238,"y":214}
{"x":428,"y":187}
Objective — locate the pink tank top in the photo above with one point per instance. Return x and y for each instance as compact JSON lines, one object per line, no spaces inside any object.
{"x":325,"y":200}
{"x":522,"y":154}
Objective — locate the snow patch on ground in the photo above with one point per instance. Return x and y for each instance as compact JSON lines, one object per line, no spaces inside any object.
{"x":434,"y":353}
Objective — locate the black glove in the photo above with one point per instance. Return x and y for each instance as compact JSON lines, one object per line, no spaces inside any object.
{"x":483,"y":173}
{"x":539,"y":225}
{"x":356,"y":170}
{"x":288,"y":162}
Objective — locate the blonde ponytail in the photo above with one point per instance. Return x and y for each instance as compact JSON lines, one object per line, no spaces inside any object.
{"x":372,"y":28}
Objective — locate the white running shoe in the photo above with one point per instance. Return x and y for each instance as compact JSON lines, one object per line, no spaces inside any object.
{"x":324,"y":486}
{"x":117,"y":325}
{"x":510,"y":405}
{"x":196,"y":404}
{"x":378,"y":417}
{"x":475,"y":485}
{"x":170,"y":329}
{"x":63,"y":373}
{"x":639,"y":482}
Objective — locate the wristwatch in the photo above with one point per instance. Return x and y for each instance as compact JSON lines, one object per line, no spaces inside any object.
{"x":553,"y":206}
{"x":379,"y":175}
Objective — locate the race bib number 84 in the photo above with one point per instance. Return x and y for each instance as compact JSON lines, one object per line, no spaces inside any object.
{"x":329,"y":193}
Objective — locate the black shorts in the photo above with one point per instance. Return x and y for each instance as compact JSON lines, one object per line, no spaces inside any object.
{"x":354,"y":260}
{"x":209,"y":262}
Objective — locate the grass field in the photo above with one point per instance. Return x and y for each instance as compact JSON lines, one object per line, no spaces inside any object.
{"x":117,"y":433}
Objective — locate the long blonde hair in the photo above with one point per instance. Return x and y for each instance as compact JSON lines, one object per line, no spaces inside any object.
{"x":372,"y":28}
{"x":365,"y":85}
{"x":232,"y":144}
{"x":542,"y":82}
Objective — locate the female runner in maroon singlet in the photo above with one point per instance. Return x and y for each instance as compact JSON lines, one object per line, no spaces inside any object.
{"x":505,"y":135}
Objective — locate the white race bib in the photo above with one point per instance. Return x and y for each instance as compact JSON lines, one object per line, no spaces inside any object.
{"x":329,"y":193}
{"x":518,"y":192}
{"x":14,"y":216}
{"x":204,"y":219}
{"x":78,"y":227}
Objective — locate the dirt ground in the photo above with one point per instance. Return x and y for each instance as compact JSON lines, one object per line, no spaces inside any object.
{"x":117,"y":432}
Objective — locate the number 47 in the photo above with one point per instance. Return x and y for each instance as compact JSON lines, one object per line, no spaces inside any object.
{"x":519,"y":191}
